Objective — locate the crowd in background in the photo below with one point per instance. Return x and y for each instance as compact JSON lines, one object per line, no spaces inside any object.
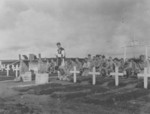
{"x":130,"y":67}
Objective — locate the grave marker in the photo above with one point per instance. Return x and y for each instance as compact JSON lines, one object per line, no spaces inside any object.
{"x":26,"y":77}
{"x":42,"y":78}
{"x":16,"y":69}
{"x":145,"y":75}
{"x":116,"y":74}
{"x":94,"y":73}
{"x":74,"y":72}
{"x":59,"y":77}
{"x":13,"y":67}
{"x":33,"y":66}
{"x":3,"y":67}
{"x":7,"y":69}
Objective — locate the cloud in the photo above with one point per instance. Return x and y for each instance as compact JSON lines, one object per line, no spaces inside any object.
{"x":83,"y":26}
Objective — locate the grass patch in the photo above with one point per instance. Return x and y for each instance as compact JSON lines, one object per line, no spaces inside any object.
{"x":38,"y":88}
{"x":122,"y":82}
{"x":71,"y":88}
{"x":3,"y":78}
{"x":18,"y":109}
{"x":67,"y":95}
{"x":117,"y":101}
{"x":140,"y":84}
{"x":112,"y":98}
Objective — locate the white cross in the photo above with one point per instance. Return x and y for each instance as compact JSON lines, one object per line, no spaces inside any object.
{"x":17,"y":69}
{"x":116,"y":74}
{"x":74,"y":72}
{"x":3,"y":67}
{"x":94,"y":73}
{"x":145,"y":75}
{"x":7,"y":69}
{"x":13,"y":67}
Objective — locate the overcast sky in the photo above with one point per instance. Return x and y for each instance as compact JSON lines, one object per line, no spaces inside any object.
{"x":82,"y":26}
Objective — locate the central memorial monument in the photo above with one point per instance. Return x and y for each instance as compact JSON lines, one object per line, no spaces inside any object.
{"x":37,"y":68}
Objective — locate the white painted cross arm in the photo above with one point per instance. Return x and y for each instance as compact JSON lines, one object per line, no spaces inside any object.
{"x":116,"y":74}
{"x":75,"y":72}
{"x":94,"y":73}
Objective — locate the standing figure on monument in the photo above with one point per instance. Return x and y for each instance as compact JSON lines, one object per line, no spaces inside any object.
{"x":60,"y":55}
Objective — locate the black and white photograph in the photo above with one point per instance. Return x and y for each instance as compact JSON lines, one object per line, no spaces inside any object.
{"x":74,"y":56}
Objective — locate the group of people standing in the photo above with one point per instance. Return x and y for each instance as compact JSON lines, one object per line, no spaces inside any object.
{"x":104,"y":65}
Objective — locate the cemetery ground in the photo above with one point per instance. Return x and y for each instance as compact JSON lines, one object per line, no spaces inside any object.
{"x":62,"y":97}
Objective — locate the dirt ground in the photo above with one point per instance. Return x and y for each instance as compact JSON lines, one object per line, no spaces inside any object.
{"x":60,"y":97}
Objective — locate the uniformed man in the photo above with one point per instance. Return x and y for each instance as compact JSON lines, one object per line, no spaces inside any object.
{"x":60,"y":55}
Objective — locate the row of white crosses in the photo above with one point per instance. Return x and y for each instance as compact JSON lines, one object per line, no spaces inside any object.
{"x":7,"y":68}
{"x":145,"y":75}
{"x":94,"y":74}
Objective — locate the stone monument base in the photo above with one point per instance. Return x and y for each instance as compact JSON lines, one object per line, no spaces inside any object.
{"x":42,"y":78}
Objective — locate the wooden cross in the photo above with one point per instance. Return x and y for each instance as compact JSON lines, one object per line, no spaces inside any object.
{"x":145,"y":75}
{"x":7,"y":69}
{"x":116,"y":74}
{"x":94,"y":73}
{"x":17,"y":69}
{"x":74,"y":72}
